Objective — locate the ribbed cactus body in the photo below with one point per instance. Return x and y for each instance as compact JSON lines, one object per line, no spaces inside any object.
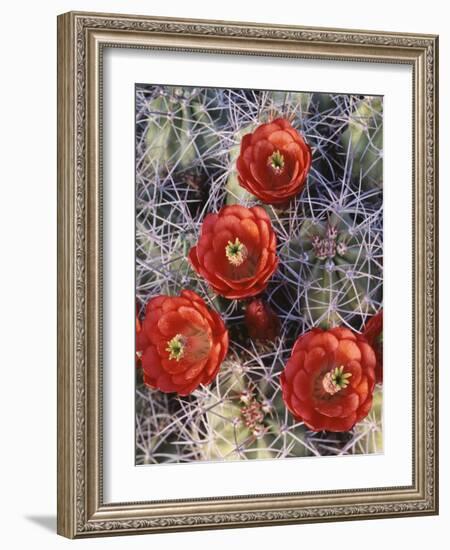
{"x":245,"y":416}
{"x":363,"y":139}
{"x":337,"y":260}
{"x":236,"y":194}
{"x":290,"y":104}
{"x":181,"y":132}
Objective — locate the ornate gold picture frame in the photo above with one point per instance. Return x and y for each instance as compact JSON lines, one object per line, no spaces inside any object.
{"x":82,"y":40}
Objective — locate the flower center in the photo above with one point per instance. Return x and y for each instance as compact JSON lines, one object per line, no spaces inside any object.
{"x":235,"y":252}
{"x":276,"y":162}
{"x":176,"y":346}
{"x":336,"y":380}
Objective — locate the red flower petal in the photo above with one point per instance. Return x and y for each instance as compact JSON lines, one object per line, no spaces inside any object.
{"x":246,"y":141}
{"x":343,"y":332}
{"x":350,"y":402}
{"x":264,"y":131}
{"x":368,"y":355}
{"x":354,"y":368}
{"x":373,"y":333}
{"x":347,"y":351}
{"x":315,"y":359}
{"x":296,"y":363}
{"x":330,"y":408}
{"x":151,"y":362}
{"x":302,"y":385}
{"x":280,"y":139}
{"x":209,"y":222}
{"x":364,"y":410}
{"x":171,"y":323}
{"x":325,"y":340}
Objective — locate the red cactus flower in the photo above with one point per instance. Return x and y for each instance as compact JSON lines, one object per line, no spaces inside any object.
{"x":373,"y":332}
{"x":261,"y":321}
{"x":274,"y":161}
{"x":236,"y":251}
{"x":329,"y":379}
{"x":187,"y":343}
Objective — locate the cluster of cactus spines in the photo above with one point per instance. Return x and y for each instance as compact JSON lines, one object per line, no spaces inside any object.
{"x":187,"y":142}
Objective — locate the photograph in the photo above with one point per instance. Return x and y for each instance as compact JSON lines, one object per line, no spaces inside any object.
{"x":259,"y":274}
{"x":247,"y":274}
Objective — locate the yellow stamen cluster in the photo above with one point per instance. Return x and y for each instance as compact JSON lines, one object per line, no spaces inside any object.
{"x":175,"y":347}
{"x":235,"y":252}
{"x":276,"y":161}
{"x":336,"y":380}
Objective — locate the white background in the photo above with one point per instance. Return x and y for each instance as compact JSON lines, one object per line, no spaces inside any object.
{"x":28,"y":275}
{"x":123,"y":482}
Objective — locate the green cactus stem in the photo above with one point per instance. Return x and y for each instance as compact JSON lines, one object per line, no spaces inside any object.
{"x":181,"y":129}
{"x":363,"y":139}
{"x":338,"y":261}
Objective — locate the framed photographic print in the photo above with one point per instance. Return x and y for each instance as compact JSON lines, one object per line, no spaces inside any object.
{"x":247,"y":287}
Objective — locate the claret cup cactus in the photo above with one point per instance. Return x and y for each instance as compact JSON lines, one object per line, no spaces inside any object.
{"x":270,"y":270}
